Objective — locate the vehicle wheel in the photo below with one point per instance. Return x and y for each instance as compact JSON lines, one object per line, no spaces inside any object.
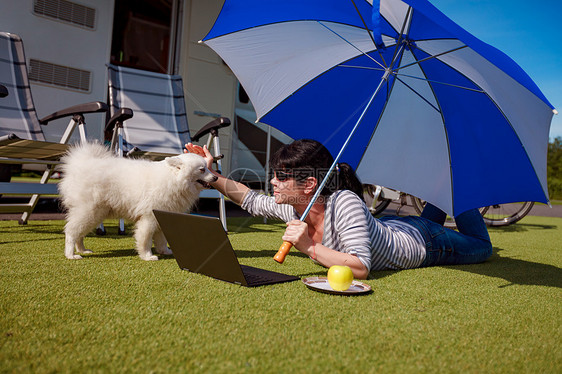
{"x":376,"y":203}
{"x":506,"y":214}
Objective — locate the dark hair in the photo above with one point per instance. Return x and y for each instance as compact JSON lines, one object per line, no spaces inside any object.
{"x":305,"y":158}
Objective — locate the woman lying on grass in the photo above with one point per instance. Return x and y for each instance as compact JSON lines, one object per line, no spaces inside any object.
{"x":340,"y":230}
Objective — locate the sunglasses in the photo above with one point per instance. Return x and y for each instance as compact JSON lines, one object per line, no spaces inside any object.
{"x":282,"y":176}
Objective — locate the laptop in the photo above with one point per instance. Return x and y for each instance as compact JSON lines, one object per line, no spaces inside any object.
{"x":200,"y":245}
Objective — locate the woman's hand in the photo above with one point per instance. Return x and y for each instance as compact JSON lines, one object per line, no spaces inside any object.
{"x":201,"y":151}
{"x":297,"y":233}
{"x":234,"y":190}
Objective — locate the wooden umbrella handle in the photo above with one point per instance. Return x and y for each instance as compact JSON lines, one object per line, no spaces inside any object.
{"x":282,"y":252}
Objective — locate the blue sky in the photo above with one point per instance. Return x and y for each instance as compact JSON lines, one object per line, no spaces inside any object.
{"x":527,"y":31}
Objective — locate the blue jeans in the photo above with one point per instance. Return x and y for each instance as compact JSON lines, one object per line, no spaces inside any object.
{"x":470,"y":245}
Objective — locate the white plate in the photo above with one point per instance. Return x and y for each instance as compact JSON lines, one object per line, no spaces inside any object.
{"x":321,"y":284}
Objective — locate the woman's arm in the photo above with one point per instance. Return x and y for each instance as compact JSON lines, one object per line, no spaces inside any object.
{"x":234,"y":190}
{"x":255,"y":204}
{"x":297,"y":233}
{"x":329,"y":257}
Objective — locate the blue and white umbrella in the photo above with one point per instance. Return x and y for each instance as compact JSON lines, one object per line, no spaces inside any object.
{"x":405,"y":95}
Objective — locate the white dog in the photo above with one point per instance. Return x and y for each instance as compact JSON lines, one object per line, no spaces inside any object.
{"x":98,"y":185}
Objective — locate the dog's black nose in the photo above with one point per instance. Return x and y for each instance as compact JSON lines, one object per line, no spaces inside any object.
{"x":215,"y":178}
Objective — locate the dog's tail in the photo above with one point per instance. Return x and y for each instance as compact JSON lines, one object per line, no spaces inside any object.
{"x":88,"y":149}
{"x":81,"y":153}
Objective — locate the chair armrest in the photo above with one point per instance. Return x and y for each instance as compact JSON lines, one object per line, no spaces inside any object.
{"x":212,"y":126}
{"x":9,"y":137}
{"x":3,"y":91}
{"x":122,"y":115}
{"x":93,"y":107}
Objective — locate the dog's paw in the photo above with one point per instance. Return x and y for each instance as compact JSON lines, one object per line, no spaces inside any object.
{"x":149,"y":258}
{"x":74,"y":257}
{"x":85,"y":251}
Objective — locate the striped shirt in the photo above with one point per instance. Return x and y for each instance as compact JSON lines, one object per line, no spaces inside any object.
{"x":349,"y":227}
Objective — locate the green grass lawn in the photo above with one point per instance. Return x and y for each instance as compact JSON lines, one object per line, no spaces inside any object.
{"x":112,"y":312}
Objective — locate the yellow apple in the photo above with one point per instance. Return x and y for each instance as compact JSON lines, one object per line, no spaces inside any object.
{"x":340,"y":277}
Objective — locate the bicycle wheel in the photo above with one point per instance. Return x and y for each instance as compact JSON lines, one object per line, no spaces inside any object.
{"x":376,"y":203}
{"x":506,"y":214}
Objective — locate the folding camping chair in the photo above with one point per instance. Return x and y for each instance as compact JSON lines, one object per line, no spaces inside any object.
{"x":21,"y":138}
{"x":159,"y":128}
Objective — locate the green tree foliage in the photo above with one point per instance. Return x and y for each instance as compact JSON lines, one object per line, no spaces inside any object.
{"x":554,"y":169}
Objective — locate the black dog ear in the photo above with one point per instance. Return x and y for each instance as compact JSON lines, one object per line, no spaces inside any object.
{"x":174,"y":162}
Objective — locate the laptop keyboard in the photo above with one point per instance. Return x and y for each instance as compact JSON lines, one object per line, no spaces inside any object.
{"x":255,"y":278}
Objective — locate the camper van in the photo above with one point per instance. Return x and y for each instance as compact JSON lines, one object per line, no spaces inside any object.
{"x":69,"y":44}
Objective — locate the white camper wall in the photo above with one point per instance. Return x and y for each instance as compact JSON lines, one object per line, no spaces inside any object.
{"x":60,"y":42}
{"x":209,"y":84}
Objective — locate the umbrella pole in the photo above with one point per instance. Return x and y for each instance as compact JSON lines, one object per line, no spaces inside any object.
{"x":286,"y":246}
